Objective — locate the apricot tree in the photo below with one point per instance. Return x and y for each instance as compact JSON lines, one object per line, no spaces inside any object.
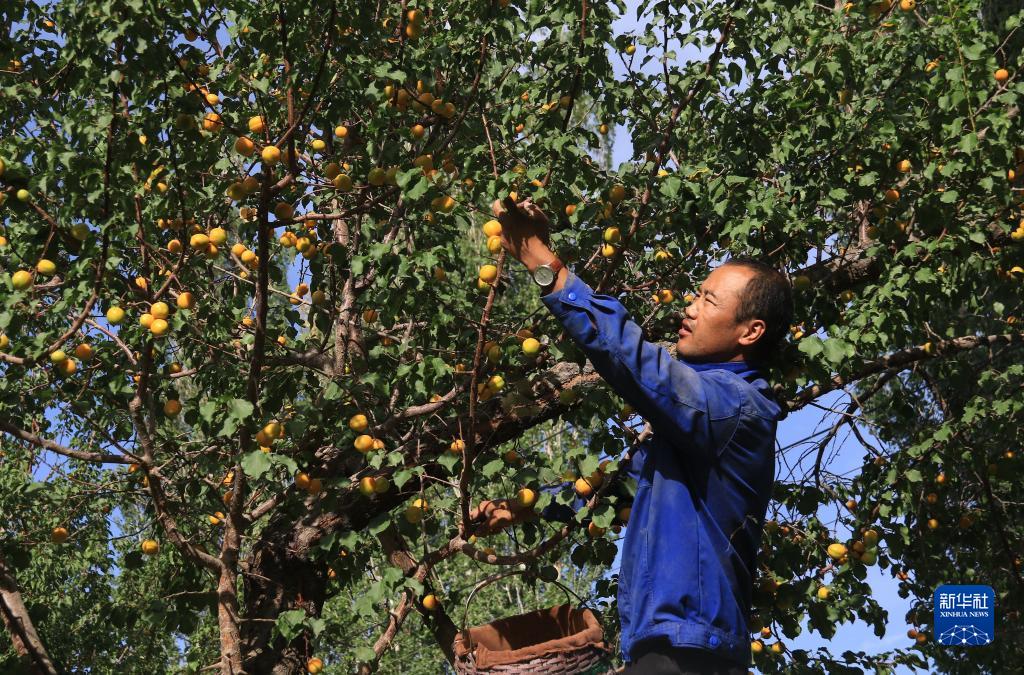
{"x":254,"y":307}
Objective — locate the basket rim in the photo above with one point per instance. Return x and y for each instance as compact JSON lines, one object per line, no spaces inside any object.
{"x":590,"y":636}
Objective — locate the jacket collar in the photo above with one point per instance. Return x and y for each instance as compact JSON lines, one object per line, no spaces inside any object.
{"x":741,"y":368}
{"x":748,"y":372}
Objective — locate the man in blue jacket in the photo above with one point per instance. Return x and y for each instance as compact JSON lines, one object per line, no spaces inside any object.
{"x":704,"y":477}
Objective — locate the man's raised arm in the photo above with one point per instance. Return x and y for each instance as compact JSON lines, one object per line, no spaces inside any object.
{"x":667,"y":392}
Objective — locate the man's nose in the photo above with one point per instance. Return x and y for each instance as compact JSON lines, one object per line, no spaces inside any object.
{"x":683,"y":315}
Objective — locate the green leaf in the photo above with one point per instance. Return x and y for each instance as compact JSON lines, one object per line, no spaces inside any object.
{"x":975,"y":51}
{"x":229,"y":427}
{"x":208,"y":409}
{"x":289,"y":463}
{"x":669,"y":186}
{"x":365,"y":654}
{"x":418,"y":189}
{"x":869,"y":179}
{"x":837,"y":350}
{"x":603,"y":516}
{"x":735,"y":72}
{"x":256,"y":463}
{"x":447,"y":460}
{"x":290,"y":623}
{"x":491,"y":468}
{"x":401,"y":477}
{"x":415,"y":586}
{"x":239,"y":409}
{"x":811,"y":345}
{"x":379,"y":523}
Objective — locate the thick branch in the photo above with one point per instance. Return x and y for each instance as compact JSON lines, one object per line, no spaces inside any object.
{"x":23,"y":632}
{"x":900,"y":360}
{"x":52,"y":446}
{"x":438,"y":621}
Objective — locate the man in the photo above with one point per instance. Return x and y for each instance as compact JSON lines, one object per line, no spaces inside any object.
{"x":704,"y":477}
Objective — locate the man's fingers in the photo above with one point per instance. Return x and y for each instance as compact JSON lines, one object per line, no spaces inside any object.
{"x":501,"y":518}
{"x":535,"y":212}
{"x":496,"y":515}
{"x":506,"y":209}
{"x":481,"y":510}
{"x":532,"y":210}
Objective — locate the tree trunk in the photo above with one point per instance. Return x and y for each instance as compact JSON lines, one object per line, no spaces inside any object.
{"x":281,"y":577}
{"x":227,"y":620}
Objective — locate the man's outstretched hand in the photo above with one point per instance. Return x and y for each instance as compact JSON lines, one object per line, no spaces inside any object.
{"x":524,"y":231}
{"x":494,"y":515}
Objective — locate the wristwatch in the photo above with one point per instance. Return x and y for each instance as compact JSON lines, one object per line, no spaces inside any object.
{"x":545,"y":275}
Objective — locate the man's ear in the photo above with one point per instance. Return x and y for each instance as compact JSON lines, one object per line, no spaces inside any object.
{"x":755,"y":329}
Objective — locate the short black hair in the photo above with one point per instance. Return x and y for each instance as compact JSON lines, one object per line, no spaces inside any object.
{"x":767,"y":296}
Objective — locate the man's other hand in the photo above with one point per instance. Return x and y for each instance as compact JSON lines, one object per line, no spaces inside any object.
{"x":524,"y":231}
{"x":494,"y":515}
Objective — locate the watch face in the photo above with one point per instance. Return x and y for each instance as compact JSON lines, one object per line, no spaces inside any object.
{"x":543,"y":275}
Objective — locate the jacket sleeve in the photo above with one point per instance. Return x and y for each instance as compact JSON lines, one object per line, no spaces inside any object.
{"x":670,"y":394}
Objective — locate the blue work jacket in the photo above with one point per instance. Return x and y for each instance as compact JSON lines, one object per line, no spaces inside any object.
{"x":704,"y":479}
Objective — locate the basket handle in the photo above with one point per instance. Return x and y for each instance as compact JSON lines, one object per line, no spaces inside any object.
{"x":467,"y":636}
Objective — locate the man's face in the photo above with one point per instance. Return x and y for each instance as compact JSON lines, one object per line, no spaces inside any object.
{"x":709,"y":332}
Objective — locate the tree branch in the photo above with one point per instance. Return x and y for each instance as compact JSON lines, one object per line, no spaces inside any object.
{"x":900,"y":360}
{"x":438,"y":621}
{"x":23,"y":632}
{"x":52,"y":446}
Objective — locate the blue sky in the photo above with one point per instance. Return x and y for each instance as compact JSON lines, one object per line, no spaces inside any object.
{"x":848,"y":458}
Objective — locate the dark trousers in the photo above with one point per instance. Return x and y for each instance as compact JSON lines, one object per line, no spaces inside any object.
{"x":661,"y":659}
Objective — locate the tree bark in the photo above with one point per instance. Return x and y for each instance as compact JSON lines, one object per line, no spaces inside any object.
{"x":27,"y":642}
{"x":438,"y":622}
{"x":227,"y":621}
{"x":282,"y":575}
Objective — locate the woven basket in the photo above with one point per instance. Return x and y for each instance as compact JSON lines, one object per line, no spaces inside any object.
{"x":559,"y":640}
